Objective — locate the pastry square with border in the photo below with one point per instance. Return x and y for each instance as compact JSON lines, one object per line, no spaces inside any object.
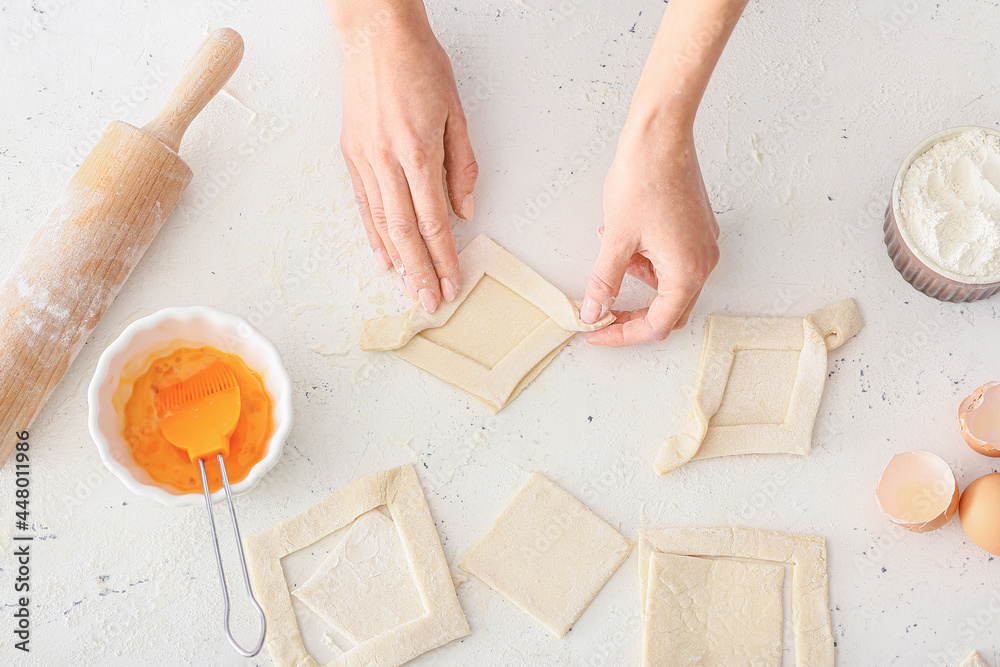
{"x":760,"y":381}
{"x":810,"y":610}
{"x":506,"y":325}
{"x":399,"y":491}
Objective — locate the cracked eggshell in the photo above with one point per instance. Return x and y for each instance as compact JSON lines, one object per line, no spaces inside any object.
{"x":979,"y":417}
{"x":979,"y":512}
{"x":917,"y":491}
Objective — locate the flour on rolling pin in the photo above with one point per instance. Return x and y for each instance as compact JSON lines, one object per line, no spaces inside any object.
{"x":73,"y":267}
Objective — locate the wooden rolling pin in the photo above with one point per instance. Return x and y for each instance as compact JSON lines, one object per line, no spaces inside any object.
{"x":78,"y":259}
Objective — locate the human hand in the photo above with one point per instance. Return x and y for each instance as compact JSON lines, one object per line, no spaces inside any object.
{"x":404,"y":136}
{"x":659,"y":227}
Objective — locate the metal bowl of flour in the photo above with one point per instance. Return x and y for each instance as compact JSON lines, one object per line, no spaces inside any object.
{"x":915,"y":267}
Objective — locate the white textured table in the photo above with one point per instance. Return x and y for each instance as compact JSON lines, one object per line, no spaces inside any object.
{"x":812,"y":108}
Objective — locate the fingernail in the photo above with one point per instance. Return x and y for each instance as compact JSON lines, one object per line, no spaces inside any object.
{"x":409,"y":286}
{"x":591,"y":311}
{"x":382,"y":259}
{"x":448,"y":289}
{"x":468,"y":207}
{"x":428,"y":300}
{"x":600,"y":231}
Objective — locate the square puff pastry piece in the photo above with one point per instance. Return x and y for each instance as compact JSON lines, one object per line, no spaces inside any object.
{"x":548,"y":554}
{"x":806,"y":553}
{"x":760,"y":381}
{"x":399,"y":491}
{"x":704,"y":611}
{"x":507,"y":324}
{"x":368,"y":564}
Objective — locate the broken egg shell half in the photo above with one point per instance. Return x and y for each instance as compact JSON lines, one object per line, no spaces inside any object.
{"x":979,"y":417}
{"x":917,"y":491}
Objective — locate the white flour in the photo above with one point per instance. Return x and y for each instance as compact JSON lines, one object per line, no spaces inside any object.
{"x":949,"y":205}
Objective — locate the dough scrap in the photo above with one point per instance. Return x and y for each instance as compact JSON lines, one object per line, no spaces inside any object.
{"x":712,"y":612}
{"x":399,"y":490}
{"x":367,"y":564}
{"x":973,"y":660}
{"x":547,"y":554}
{"x":806,"y":553}
{"x":495,"y":338}
{"x":760,"y":381}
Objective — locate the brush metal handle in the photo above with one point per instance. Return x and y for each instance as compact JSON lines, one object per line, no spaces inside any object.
{"x":218,"y":560}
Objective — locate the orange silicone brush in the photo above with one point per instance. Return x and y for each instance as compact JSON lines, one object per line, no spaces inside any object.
{"x":199,"y":415}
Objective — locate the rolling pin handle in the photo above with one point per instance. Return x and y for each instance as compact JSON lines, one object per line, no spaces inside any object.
{"x":205,"y":75}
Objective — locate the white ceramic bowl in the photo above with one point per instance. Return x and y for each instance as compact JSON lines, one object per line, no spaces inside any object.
{"x":915,"y":267}
{"x":160,"y":333}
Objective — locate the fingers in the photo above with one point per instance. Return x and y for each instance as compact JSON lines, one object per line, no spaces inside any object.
{"x":404,"y":233}
{"x":460,"y":165}
{"x":686,"y":315}
{"x":606,"y":278}
{"x":361,"y":198}
{"x":648,"y":325}
{"x":431,"y":209}
{"x":377,"y":210}
{"x":639,"y":267}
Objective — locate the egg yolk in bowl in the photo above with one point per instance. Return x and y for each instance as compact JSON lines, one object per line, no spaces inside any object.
{"x":169,"y":465}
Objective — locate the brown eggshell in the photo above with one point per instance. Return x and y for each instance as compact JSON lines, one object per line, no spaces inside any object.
{"x":979,"y":511}
{"x":979,"y":418}
{"x":902,"y":479}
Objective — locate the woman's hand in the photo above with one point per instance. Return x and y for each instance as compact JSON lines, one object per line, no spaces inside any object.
{"x":658,"y":223}
{"x":404,"y":135}
{"x":659,"y":227}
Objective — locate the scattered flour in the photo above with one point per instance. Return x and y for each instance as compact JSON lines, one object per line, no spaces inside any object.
{"x":949,"y":205}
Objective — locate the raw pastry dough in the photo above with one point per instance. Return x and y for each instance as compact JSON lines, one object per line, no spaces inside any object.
{"x":367,"y":564}
{"x":973,"y":660}
{"x":547,"y":554}
{"x":399,"y":490}
{"x":495,"y":338}
{"x":806,"y":553}
{"x":760,"y":382}
{"x":712,"y":612}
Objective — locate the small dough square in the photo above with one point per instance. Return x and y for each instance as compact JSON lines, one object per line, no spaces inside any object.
{"x":712,"y":612}
{"x":368,"y":564}
{"x":759,"y":388}
{"x":760,"y":381}
{"x":399,"y":491}
{"x":547,"y":554}
{"x":503,"y":328}
{"x":810,"y":610}
{"x":489,"y":325}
